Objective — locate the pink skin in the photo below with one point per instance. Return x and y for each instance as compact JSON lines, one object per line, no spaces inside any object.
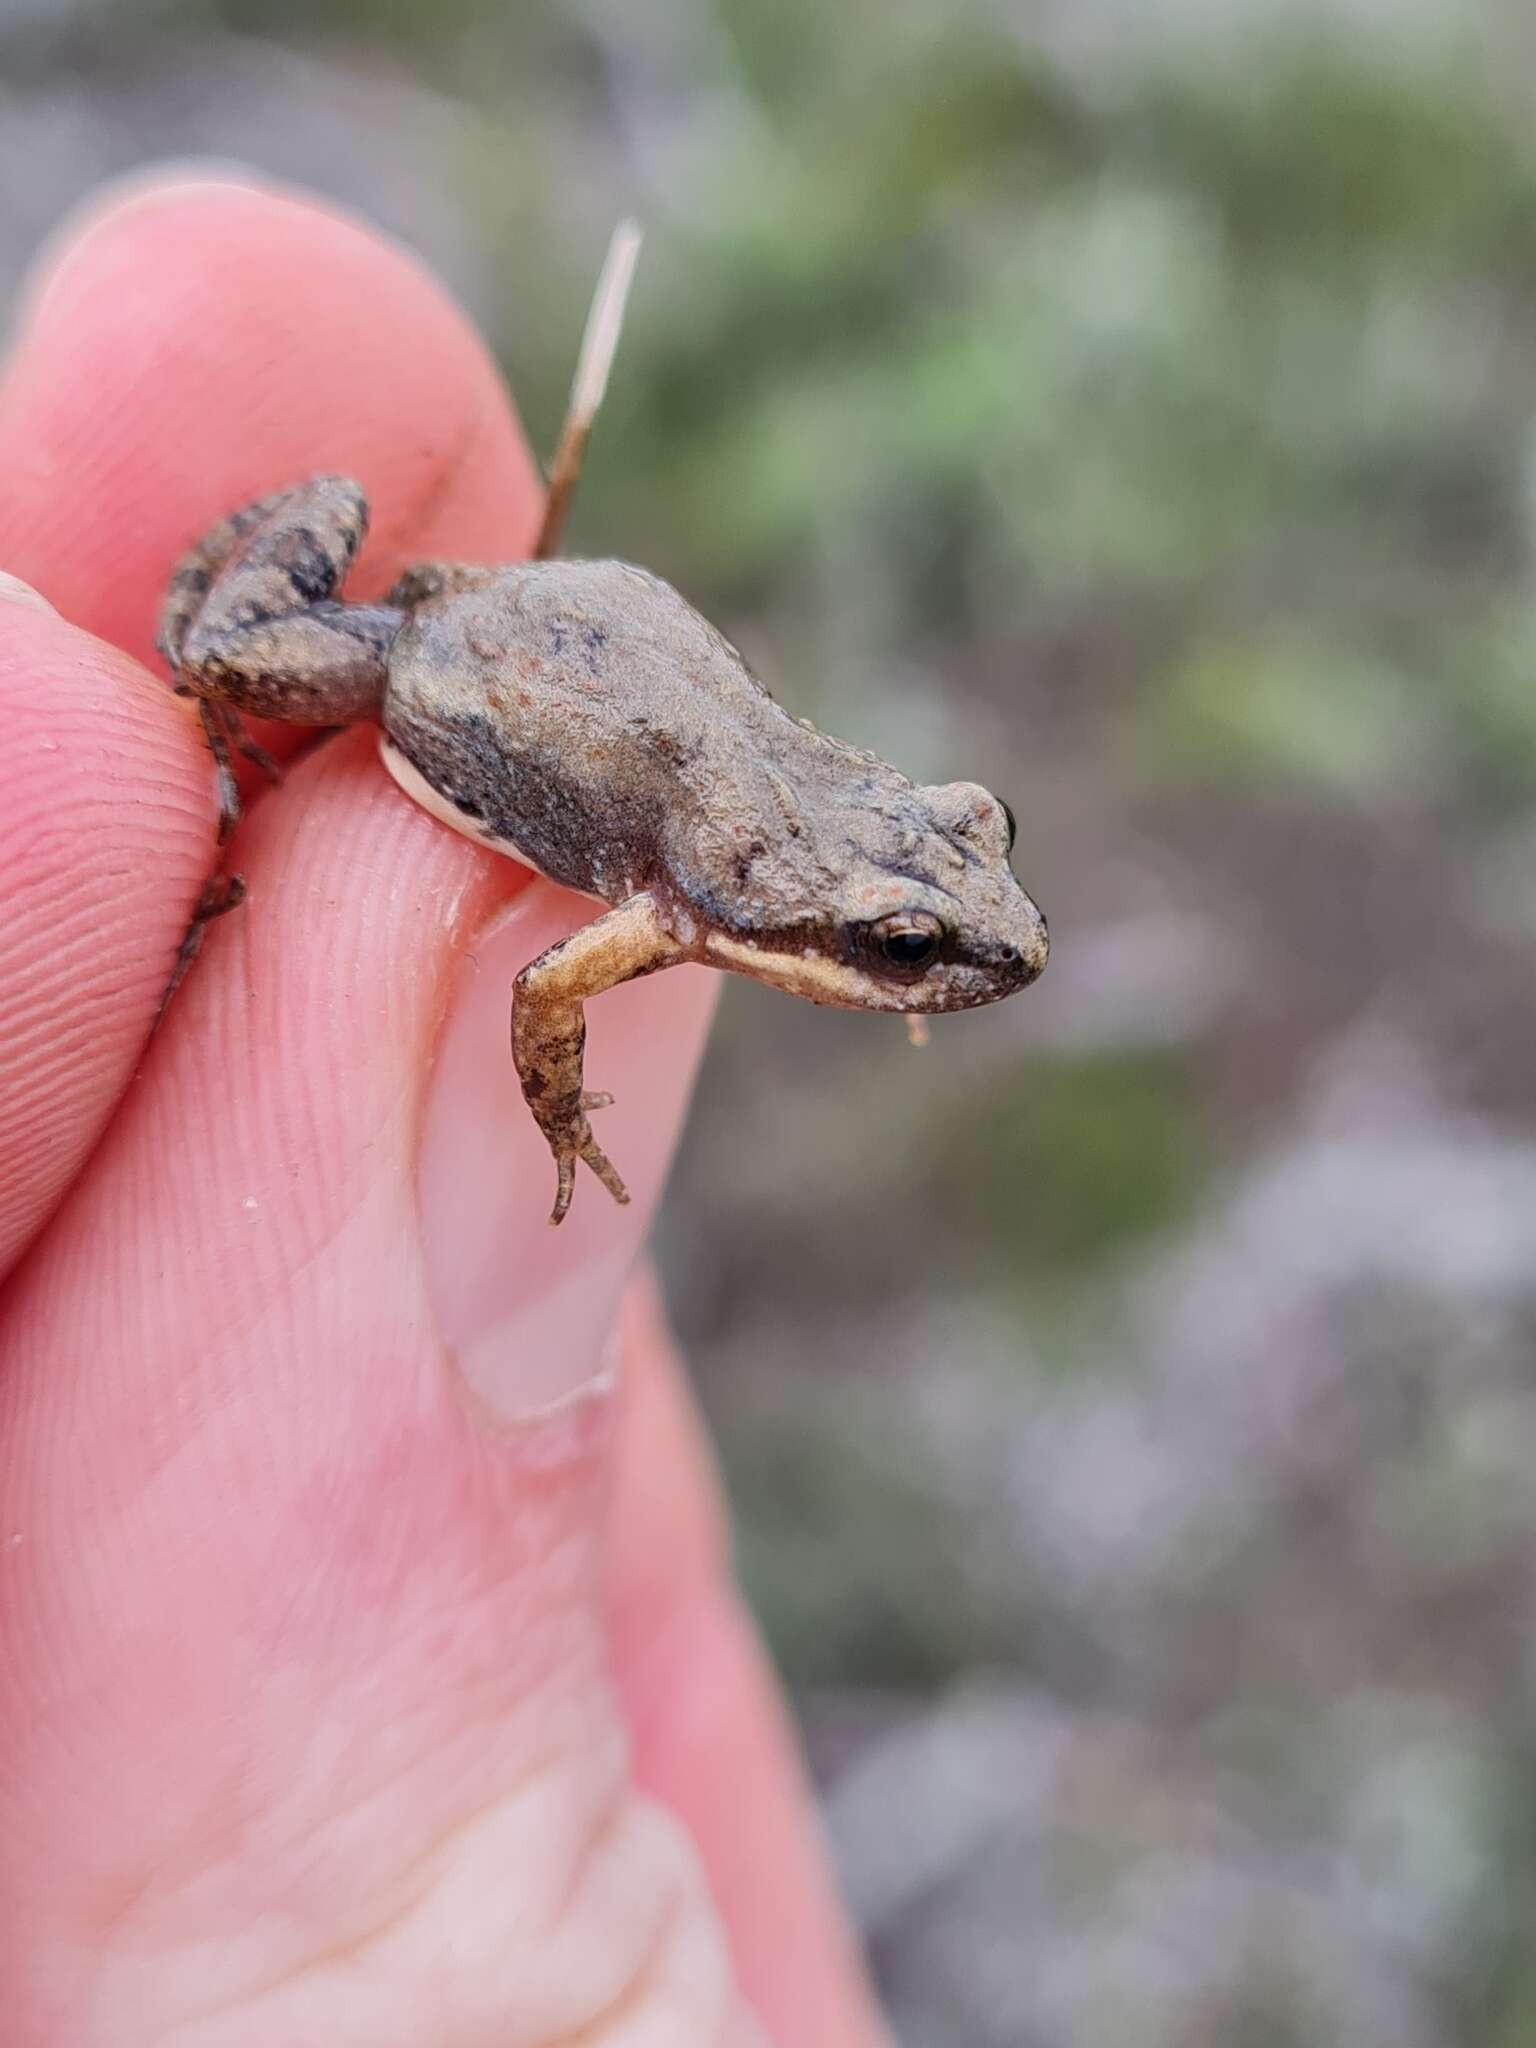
{"x":372,"y":1672}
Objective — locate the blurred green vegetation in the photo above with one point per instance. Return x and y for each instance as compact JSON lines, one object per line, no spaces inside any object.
{"x":1110,"y":1145}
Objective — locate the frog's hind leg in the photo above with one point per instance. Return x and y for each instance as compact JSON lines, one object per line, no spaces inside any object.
{"x":196,"y":572}
{"x":251,"y":623}
{"x":226,"y":736}
{"x":251,"y":616}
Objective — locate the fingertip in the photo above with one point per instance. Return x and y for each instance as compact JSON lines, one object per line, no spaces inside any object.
{"x":191,"y":340}
{"x":114,"y":201}
{"x":106,"y":833}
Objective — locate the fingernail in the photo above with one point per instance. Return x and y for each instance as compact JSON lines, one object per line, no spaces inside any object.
{"x":528,"y":1310}
{"x":14,"y":591}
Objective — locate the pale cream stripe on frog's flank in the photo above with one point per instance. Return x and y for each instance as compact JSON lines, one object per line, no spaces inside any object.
{"x":420,"y":791}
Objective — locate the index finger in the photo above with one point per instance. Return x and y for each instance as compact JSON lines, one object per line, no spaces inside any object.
{"x":183,"y":348}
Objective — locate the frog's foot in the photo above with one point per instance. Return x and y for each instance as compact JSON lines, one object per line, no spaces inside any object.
{"x":220,"y":893}
{"x":574,"y":1142}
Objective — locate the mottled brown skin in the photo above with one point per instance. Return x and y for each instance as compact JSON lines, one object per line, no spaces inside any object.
{"x":582,"y":717}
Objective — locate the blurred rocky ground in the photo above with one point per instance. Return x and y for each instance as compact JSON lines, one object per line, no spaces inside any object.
{"x":1128,"y":1403}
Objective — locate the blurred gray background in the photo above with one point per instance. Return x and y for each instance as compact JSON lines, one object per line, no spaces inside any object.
{"x":1128,"y":1404}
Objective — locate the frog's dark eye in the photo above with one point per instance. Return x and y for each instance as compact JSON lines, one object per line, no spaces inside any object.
{"x":1013,"y":823}
{"x":908,"y":942}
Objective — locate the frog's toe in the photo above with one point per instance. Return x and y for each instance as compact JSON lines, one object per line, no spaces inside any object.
{"x":605,"y":1170}
{"x":582,"y":1145}
{"x":565,"y":1163}
{"x":260,"y":759}
{"x":229,"y":803}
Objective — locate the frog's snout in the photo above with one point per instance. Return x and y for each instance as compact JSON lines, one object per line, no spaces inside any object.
{"x":1023,"y":956}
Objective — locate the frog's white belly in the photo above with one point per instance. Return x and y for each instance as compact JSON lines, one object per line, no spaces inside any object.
{"x":419,"y":790}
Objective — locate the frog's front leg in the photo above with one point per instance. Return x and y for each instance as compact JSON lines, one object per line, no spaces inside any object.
{"x":251,"y":623}
{"x":549,"y":1030}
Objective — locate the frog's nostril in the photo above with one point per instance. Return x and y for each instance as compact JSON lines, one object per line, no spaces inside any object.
{"x":1031,"y":956}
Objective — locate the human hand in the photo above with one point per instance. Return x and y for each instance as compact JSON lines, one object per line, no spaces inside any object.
{"x":372,"y":1674}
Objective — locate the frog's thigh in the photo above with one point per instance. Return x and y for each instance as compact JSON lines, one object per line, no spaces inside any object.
{"x":268,"y":635}
{"x":549,"y":1031}
{"x":198,"y":569}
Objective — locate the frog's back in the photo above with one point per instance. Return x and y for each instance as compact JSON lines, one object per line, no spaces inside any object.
{"x":573,"y":710}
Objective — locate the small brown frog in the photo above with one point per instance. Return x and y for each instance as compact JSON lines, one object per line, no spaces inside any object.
{"x":582,"y":718}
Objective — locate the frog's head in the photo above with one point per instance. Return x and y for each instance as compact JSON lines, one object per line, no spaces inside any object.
{"x":922,"y":912}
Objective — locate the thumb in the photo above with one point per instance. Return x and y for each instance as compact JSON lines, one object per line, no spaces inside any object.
{"x":307,"y":1730}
